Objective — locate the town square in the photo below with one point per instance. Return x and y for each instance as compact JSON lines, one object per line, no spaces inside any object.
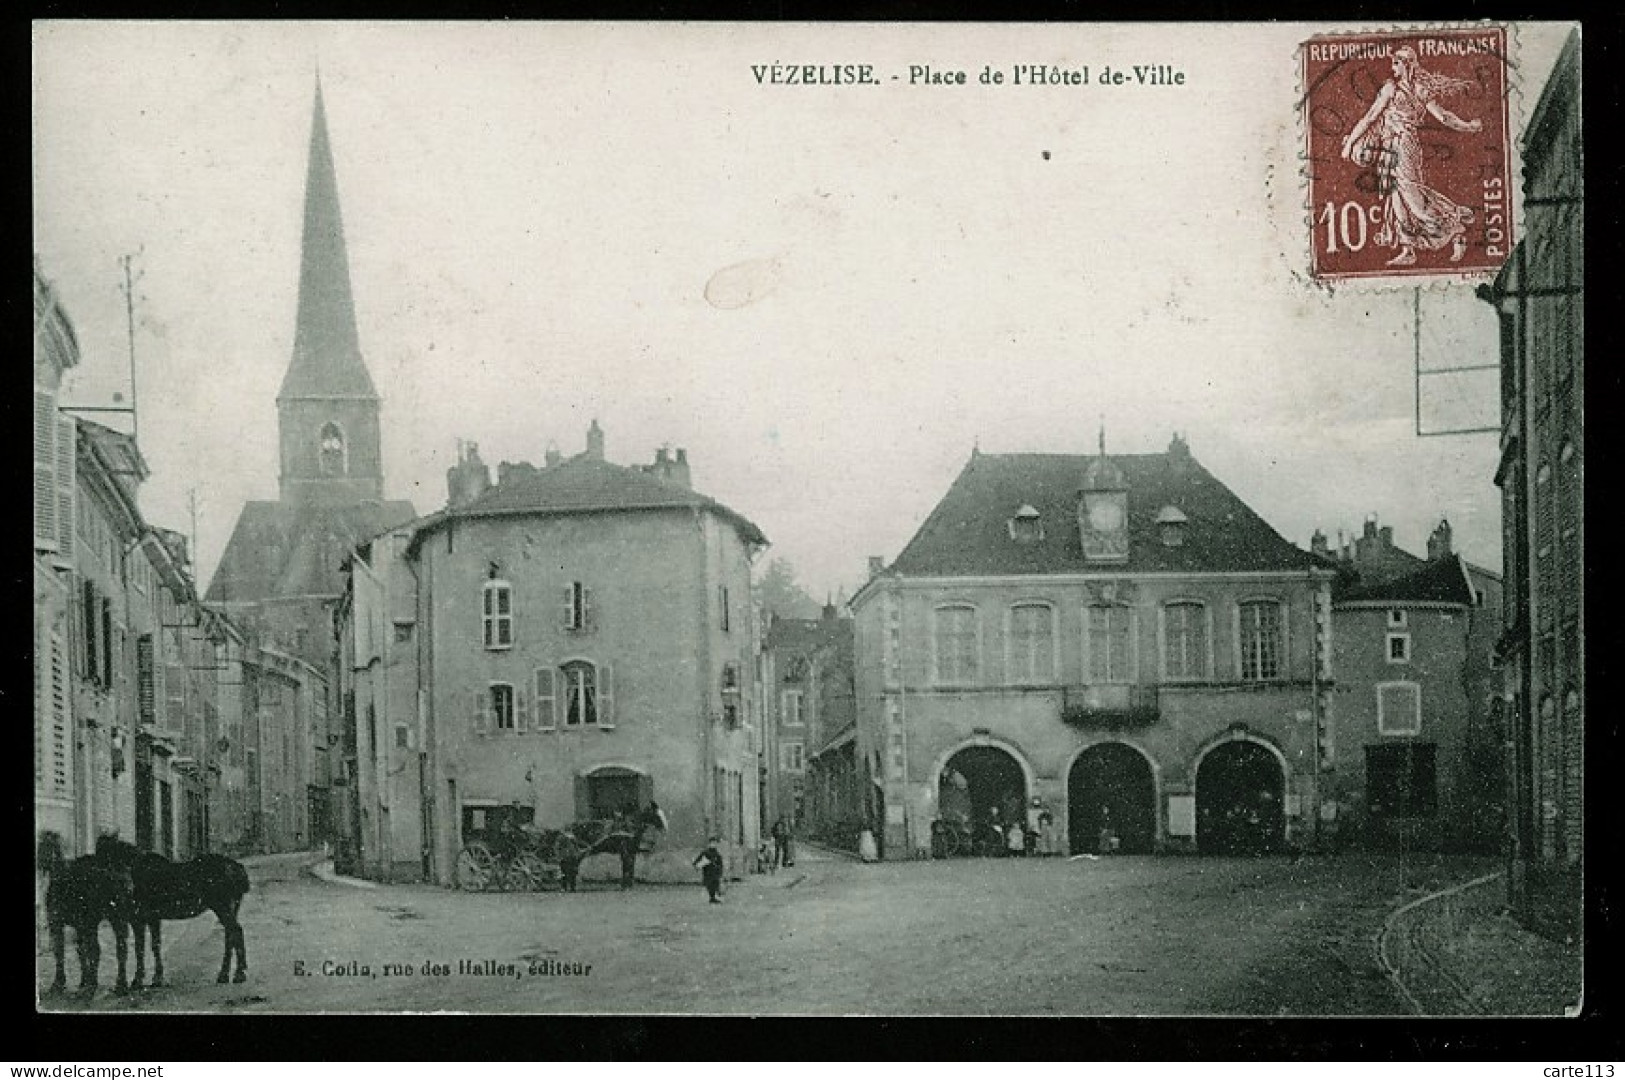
{"x":571,"y":518}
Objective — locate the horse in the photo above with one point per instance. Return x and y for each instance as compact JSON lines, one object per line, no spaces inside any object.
{"x":83,"y":893}
{"x":621,"y":835}
{"x":171,"y":890}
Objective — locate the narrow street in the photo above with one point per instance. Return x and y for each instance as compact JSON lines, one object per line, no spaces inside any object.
{"x":1108,"y":937}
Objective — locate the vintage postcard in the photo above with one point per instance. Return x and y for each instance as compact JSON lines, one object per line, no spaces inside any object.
{"x":998,"y":520}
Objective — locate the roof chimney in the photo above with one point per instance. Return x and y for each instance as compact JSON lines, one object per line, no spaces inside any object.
{"x":595,"y":442}
{"x":830,"y":611}
{"x":469,"y":478}
{"x":877,"y":563}
{"x":552,"y":456}
{"x":1318,"y":545}
{"x":679,"y":469}
{"x":1439,"y":542}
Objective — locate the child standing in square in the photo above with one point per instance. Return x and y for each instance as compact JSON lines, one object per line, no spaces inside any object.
{"x":711,"y":871}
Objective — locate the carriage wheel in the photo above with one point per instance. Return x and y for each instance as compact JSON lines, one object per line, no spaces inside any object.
{"x":526,"y":873}
{"x":953,"y":844}
{"x":476,"y":868}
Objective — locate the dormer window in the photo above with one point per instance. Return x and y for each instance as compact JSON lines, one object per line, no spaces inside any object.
{"x":1027,"y":526}
{"x":1171,"y":525}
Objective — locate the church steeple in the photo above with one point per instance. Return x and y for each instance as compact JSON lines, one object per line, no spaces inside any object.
{"x":328,"y":407}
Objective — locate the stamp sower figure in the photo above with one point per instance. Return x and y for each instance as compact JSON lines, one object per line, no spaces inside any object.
{"x":711,"y":871}
{"x":1413,"y":214}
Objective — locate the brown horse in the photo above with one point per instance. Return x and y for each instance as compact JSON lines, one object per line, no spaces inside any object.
{"x":83,"y":893}
{"x":171,"y":890}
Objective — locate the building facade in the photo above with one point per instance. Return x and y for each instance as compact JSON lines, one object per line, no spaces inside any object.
{"x":1118,"y":640}
{"x":810,"y":700}
{"x":56,"y":740}
{"x":1540,"y":297}
{"x":1418,"y":723}
{"x":573,"y":641}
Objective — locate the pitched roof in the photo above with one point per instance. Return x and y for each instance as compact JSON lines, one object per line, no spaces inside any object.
{"x":326,"y":348}
{"x":804,"y":635}
{"x":283,"y":549}
{"x":967,"y":533}
{"x":1443,"y":581}
{"x":585,"y":484}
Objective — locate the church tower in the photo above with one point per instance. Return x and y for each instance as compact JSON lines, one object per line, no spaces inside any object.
{"x":327,"y":410}
{"x":283,"y":568}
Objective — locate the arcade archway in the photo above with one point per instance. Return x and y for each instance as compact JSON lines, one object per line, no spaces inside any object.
{"x":980,"y":785}
{"x":1111,"y":801}
{"x":1240,"y":800}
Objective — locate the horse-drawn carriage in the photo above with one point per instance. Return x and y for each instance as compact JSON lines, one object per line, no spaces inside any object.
{"x":519,"y":857}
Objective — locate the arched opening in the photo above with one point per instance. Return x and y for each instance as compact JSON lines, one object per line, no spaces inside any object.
{"x":332,"y":450}
{"x":1240,"y":800}
{"x":1111,"y":800}
{"x":981,"y":786}
{"x":611,"y":790}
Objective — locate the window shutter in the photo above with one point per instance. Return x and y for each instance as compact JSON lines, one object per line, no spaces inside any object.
{"x":45,"y":429}
{"x":67,"y":491}
{"x":546,"y":717}
{"x":482,"y":712}
{"x":146,"y":679}
{"x":606,"y":696}
{"x":521,"y":710}
{"x":61,"y":720}
{"x":588,"y":620}
{"x":569,"y":606}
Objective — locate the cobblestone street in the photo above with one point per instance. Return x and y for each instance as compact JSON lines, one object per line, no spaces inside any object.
{"x":1118,"y":936}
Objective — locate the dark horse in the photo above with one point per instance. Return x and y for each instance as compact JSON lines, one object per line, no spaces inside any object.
{"x":622,"y":835}
{"x":83,"y":893}
{"x":171,"y":890}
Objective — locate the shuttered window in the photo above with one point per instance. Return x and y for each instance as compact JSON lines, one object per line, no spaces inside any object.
{"x":1184,"y":631}
{"x":146,"y":680}
{"x":546,"y":707}
{"x":45,"y":502}
{"x":1109,"y":644}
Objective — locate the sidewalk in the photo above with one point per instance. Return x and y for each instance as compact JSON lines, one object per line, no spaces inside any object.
{"x":1457,"y":952}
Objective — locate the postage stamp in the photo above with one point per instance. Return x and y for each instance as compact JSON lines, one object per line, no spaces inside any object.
{"x":1408,"y":154}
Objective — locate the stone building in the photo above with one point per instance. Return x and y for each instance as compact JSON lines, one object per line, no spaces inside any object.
{"x":281,"y":574}
{"x":1116,"y":638}
{"x":810,"y":702}
{"x":1418,"y":724}
{"x":573,"y":641}
{"x":1540,"y":297}
{"x":56,"y":760}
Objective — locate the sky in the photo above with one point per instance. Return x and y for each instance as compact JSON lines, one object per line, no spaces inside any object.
{"x":828,"y":295}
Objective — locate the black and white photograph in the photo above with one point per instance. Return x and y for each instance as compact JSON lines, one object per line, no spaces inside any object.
{"x":808,"y":520}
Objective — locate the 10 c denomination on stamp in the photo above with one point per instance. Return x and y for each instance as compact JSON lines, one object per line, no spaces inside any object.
{"x":1408,"y":153}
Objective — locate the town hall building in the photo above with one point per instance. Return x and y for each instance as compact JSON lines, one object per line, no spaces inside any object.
{"x":1116,"y":639}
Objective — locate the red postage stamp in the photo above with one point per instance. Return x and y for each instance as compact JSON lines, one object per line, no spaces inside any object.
{"x":1408,"y":156}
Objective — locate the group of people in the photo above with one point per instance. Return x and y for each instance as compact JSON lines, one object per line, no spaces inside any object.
{"x":1024,"y":834}
{"x":769,"y":857}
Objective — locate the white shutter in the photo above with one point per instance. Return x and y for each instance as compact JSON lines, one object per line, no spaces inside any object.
{"x":569,"y":607}
{"x":61,"y":755}
{"x":588,"y":620}
{"x":482,"y":712}
{"x":45,"y":503}
{"x":606,"y":695}
{"x":546,"y":717}
{"x":67,"y":441}
{"x":521,"y":710}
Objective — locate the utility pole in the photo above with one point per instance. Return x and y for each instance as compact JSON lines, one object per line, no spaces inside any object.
{"x":128,"y":288}
{"x":191,"y":505}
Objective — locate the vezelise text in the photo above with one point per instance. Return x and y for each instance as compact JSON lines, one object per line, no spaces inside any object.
{"x":814,"y":74}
